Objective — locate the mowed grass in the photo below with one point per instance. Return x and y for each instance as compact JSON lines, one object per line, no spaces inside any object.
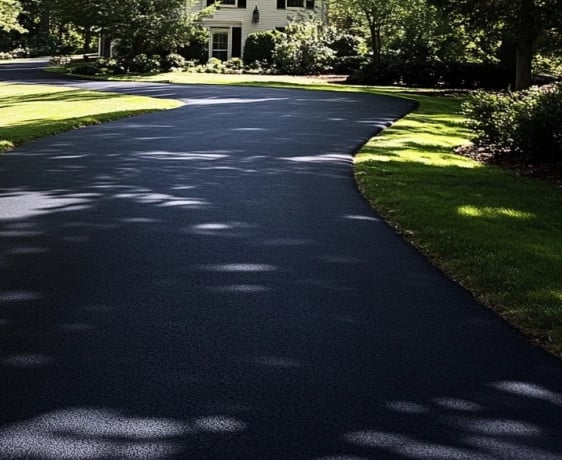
{"x":29,"y":112}
{"x":497,"y":234}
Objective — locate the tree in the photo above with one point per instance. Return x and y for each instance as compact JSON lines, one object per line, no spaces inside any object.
{"x":522,"y":22}
{"x":378,"y":15}
{"x":9,"y":12}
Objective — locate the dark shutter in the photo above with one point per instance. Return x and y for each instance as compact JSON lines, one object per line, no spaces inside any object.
{"x":237,"y":42}
{"x":280,"y":4}
{"x":309,"y":4}
{"x":210,"y":2}
{"x":241,"y":3}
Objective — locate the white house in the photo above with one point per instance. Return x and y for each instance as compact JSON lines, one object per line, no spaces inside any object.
{"x":234,"y":20}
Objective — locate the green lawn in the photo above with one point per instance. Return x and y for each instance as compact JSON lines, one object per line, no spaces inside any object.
{"x":497,"y":234}
{"x":29,"y":112}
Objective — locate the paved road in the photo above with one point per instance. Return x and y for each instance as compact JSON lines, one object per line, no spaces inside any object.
{"x":208,"y":283}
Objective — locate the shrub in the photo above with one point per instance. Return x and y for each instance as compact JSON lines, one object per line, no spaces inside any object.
{"x":525,"y":122}
{"x":172,"y":62}
{"x":85,"y":68}
{"x":492,"y":117}
{"x":259,"y":47}
{"x":396,"y":70}
{"x":198,"y":47}
{"x":348,"y":56}
{"x":142,"y":63}
{"x":302,"y":50}
{"x":539,"y":125}
{"x":5,"y":56}
{"x":234,"y":65}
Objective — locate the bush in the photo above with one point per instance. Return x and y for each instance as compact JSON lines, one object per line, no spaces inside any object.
{"x":142,"y":63}
{"x":302,"y":50}
{"x":348,"y":57}
{"x":395,"y":70}
{"x":525,"y":122}
{"x":5,"y":56}
{"x":259,"y":47}
{"x":85,"y":68}
{"x":539,"y":126}
{"x":492,"y":117}
{"x":198,"y":47}
{"x":234,"y":65}
{"x":172,"y":62}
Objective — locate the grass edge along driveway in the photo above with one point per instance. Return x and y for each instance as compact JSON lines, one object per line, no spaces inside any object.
{"x":29,"y":112}
{"x":498,"y":235}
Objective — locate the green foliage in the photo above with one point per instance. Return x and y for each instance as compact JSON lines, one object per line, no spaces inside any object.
{"x":172,"y":62}
{"x":142,"y":63}
{"x":85,"y":68}
{"x":396,"y":70}
{"x":9,"y":12}
{"x":492,"y":116}
{"x":539,"y":125}
{"x":525,"y":122}
{"x":302,"y":50}
{"x":196,"y":48}
{"x":260,"y":46}
{"x":348,"y":51}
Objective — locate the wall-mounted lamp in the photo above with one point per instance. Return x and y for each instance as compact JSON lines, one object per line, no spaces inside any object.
{"x":256,"y":16}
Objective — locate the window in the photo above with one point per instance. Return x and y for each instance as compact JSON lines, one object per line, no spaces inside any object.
{"x":219,"y":44}
{"x":282,"y":4}
{"x":237,"y":3}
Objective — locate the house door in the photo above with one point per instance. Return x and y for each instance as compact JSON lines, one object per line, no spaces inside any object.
{"x":219,"y":43}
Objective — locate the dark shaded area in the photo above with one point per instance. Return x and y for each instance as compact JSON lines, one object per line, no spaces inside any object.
{"x":207,"y":283}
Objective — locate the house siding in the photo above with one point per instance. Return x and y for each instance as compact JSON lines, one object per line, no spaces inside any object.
{"x":271,"y":17}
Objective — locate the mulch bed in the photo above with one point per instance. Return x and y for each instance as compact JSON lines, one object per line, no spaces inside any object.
{"x":548,"y":172}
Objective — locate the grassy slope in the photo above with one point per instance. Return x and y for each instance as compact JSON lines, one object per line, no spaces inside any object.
{"x":31,"y":111}
{"x":497,"y":234}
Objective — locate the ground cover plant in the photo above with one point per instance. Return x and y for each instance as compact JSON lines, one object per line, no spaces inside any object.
{"x":32,"y":111}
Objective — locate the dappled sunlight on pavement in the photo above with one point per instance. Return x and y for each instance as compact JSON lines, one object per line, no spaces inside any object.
{"x":208,"y":283}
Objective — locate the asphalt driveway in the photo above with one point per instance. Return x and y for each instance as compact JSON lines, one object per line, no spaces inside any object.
{"x":208,"y":283}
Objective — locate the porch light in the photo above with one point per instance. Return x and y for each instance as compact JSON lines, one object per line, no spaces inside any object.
{"x":256,"y":16}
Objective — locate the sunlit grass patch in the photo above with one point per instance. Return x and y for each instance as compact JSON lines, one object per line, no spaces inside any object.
{"x":32,"y":111}
{"x":498,"y":234}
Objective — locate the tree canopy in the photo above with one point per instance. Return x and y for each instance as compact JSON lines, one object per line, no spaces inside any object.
{"x":9,"y":13}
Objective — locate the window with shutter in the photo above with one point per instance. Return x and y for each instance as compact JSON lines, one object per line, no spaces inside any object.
{"x":241,"y":3}
{"x":281,"y":4}
{"x":210,"y":2}
{"x":295,"y":3}
{"x":309,"y":4}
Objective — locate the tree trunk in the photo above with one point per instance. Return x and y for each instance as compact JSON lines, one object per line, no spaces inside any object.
{"x":524,"y":59}
{"x":87,"y":41}
{"x":526,"y":35}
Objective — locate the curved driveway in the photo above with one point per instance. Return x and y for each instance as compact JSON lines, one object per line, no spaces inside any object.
{"x":208,"y":283}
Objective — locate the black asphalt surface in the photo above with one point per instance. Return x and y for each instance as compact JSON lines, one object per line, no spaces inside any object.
{"x":207,"y":283}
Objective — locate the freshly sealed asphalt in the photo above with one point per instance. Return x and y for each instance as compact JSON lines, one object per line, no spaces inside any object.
{"x":207,"y":283}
